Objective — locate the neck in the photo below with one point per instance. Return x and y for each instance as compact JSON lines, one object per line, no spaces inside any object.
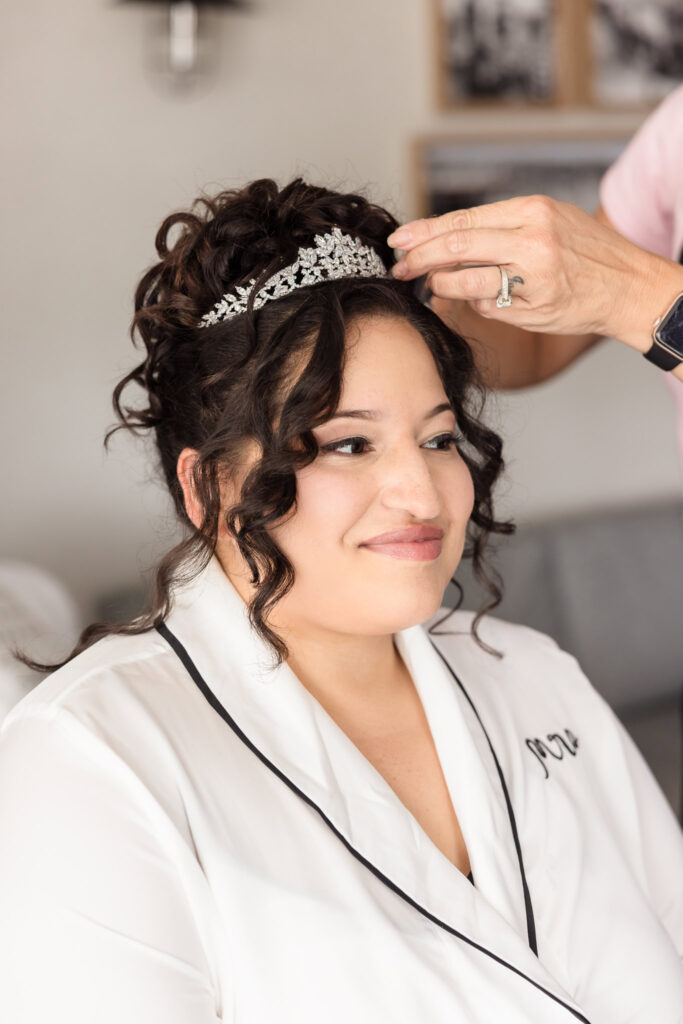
{"x":340,"y":670}
{"x":347,"y":671}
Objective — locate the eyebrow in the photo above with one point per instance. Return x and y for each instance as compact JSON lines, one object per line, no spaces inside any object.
{"x":373,"y":414}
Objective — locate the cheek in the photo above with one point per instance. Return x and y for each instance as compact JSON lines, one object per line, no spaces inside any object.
{"x":457,"y":490}
{"x":468,"y":491}
{"x":328,"y":505}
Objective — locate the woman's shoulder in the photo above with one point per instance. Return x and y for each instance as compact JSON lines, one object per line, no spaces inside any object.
{"x":524,"y":686}
{"x":510,"y":659}
{"x":116,"y":714}
{"x":98,"y":687}
{"x":455,"y":630}
{"x":116,"y":662}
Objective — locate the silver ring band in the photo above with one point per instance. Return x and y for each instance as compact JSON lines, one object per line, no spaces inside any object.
{"x":504,"y":299}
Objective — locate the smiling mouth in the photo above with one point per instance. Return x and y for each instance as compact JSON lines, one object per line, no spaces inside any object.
{"x":412,"y":549}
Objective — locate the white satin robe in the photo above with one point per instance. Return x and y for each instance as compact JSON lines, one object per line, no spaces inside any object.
{"x":186,"y":837}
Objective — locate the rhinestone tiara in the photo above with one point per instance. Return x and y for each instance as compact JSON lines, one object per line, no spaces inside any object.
{"x":335,"y":255}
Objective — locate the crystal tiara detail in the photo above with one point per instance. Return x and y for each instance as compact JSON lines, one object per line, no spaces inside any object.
{"x":335,"y":255}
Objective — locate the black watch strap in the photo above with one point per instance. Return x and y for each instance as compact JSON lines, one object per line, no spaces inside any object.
{"x":662,"y":358}
{"x":666,"y":350}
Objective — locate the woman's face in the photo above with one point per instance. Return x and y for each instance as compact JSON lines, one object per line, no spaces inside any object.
{"x":381,"y":513}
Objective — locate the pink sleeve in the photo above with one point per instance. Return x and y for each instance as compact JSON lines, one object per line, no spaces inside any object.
{"x":639,"y":191}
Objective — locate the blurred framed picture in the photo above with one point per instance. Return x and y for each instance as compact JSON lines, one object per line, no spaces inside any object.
{"x":453,"y":173}
{"x":637,"y":50}
{"x":498,"y":52}
{"x":531,"y":53}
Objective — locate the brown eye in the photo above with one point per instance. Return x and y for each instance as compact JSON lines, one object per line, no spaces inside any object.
{"x":354,"y":443}
{"x":444,"y":442}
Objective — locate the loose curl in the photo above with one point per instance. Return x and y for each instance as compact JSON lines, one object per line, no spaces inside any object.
{"x":215,"y":389}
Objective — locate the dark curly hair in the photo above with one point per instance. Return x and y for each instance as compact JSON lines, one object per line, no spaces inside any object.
{"x":213,"y":389}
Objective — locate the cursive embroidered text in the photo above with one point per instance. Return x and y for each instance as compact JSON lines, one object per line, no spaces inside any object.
{"x":554,"y":745}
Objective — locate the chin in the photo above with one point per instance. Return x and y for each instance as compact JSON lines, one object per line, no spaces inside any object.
{"x":400,"y":611}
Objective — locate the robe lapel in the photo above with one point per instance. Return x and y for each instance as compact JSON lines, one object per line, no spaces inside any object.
{"x":472,"y":777}
{"x":295,"y":737}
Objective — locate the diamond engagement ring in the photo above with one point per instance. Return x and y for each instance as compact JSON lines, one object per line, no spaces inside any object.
{"x":504,"y":298}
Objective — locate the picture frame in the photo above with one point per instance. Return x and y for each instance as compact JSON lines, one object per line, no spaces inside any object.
{"x":637,"y":51}
{"x":530,"y":54}
{"x":511,"y":53}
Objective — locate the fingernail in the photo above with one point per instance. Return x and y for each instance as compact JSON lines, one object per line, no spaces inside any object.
{"x":399,"y":269}
{"x":400,"y":238}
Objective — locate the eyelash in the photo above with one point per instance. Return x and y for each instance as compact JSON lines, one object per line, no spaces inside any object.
{"x":452,"y":439}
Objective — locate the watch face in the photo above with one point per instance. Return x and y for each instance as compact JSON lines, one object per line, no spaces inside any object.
{"x":669,"y":334}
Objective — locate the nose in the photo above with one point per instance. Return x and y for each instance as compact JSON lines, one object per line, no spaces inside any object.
{"x":408,"y":484}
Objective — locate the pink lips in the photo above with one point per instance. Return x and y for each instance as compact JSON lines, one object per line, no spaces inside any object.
{"x":414,"y":543}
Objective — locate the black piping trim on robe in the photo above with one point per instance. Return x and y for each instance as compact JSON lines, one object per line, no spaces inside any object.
{"x":196,"y":676}
{"x":530,"y":922}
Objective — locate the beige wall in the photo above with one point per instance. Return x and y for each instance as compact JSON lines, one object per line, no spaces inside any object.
{"x":97,"y":147}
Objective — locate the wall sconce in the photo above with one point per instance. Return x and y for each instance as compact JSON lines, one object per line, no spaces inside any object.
{"x":183,"y":21}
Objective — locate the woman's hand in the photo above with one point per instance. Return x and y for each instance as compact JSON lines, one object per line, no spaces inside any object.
{"x":569,"y":273}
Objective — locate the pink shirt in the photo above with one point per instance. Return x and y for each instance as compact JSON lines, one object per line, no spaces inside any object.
{"x":642,"y":194}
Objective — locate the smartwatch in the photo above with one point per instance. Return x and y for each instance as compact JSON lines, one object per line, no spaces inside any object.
{"x":666,"y":351}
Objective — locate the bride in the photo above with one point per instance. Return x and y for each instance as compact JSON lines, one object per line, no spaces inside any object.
{"x":295,"y":789}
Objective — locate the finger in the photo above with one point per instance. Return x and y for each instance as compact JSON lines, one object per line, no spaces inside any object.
{"x":464,"y":245}
{"x":507,"y":213}
{"x":521,"y":313}
{"x":504,"y":314}
{"x":472,"y":284}
{"x":468,"y":285}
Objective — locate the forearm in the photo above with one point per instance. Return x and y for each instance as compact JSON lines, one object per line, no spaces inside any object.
{"x":576,"y":279}
{"x":509,"y":357}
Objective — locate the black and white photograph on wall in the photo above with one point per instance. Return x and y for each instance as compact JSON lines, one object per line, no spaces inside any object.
{"x":637,"y":50}
{"x":496,"y":51}
{"x":457,"y":173}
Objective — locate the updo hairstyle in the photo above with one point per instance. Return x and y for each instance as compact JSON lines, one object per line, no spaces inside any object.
{"x":217,"y":388}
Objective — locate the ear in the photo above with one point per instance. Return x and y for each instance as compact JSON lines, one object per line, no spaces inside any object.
{"x":185,"y":472}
